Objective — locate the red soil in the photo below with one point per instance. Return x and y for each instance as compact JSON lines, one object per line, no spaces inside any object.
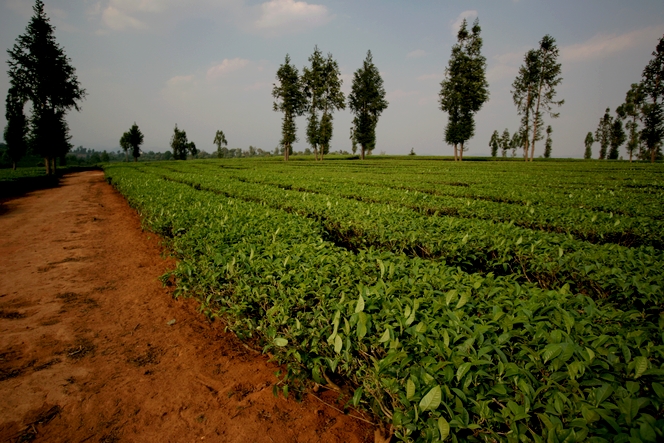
{"x":86,"y":350}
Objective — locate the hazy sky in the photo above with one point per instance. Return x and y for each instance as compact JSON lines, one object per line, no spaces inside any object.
{"x":210,"y":64}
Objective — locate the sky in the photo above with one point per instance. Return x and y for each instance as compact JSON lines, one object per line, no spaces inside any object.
{"x":207,"y":65}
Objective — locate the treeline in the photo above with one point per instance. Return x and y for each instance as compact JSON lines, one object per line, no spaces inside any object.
{"x":638,"y":122}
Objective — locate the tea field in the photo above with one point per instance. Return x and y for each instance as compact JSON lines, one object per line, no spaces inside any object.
{"x":474,"y":301}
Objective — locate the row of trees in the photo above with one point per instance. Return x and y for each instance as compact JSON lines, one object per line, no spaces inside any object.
{"x":317,"y":93}
{"x":639,"y":121}
{"x":506,"y":143}
{"x":40,"y":74}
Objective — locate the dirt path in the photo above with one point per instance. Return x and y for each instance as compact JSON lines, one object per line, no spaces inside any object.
{"x":86,"y":350}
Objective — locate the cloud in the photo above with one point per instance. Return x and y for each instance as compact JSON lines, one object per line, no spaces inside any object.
{"x":256,"y":86}
{"x":181,"y":80}
{"x":469,"y":15}
{"x":226,"y":66}
{"x":118,"y":20}
{"x":604,"y":45}
{"x":416,"y":53}
{"x":288,"y":16}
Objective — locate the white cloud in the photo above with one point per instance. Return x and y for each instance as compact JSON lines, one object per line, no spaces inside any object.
{"x":180,"y":80}
{"x":416,"y":53}
{"x":287,"y":16}
{"x":118,"y":20}
{"x":603,"y":45}
{"x":226,"y":66}
{"x":469,"y":15}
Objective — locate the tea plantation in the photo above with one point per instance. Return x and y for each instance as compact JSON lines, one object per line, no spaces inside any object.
{"x":466,"y":302}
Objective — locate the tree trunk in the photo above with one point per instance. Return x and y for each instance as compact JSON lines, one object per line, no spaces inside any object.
{"x":53,"y":166}
{"x":653,"y":154}
{"x":135,"y":159}
{"x":362,"y":151}
{"x":315,"y":152}
{"x":455,"y":152}
{"x":461,"y":153}
{"x":47,"y":163}
{"x":14,"y":166}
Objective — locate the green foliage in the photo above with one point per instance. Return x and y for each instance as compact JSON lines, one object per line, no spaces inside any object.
{"x":549,"y":143}
{"x":617,"y":138}
{"x":367,"y":101}
{"x":132,"y":140}
{"x":603,"y":133}
{"x":181,"y":146}
{"x":589,"y":140}
{"x":465,"y":88}
{"x":220,"y":141}
{"x":494,"y":143}
{"x":289,"y":99}
{"x":652,"y":108}
{"x":16,"y":131}
{"x":41,"y":73}
{"x":439,"y":352}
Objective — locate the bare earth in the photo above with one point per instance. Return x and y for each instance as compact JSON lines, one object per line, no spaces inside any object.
{"x":86,"y":351}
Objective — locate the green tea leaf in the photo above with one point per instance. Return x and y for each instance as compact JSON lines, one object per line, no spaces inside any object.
{"x":431,"y":401}
{"x":385,"y":337}
{"x":463,"y":369}
{"x":280,"y":342}
{"x":359,"y":307}
{"x":444,"y":428}
{"x":640,"y":366}
{"x":463,"y":300}
{"x":338,"y":344}
{"x":410,"y":389}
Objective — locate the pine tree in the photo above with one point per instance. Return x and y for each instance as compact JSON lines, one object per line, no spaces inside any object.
{"x":464,"y":89}
{"x":40,"y":72}
{"x":367,"y":101}
{"x":549,"y":143}
{"x":588,"y":154}
{"x":132,"y":139}
{"x":603,"y":133}
{"x":653,"y":106}
{"x":291,"y":100}
{"x":16,"y":131}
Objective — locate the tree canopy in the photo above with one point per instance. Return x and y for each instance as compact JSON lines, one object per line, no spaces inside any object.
{"x":465,"y":88}
{"x":367,"y":101}
{"x":132,"y":139}
{"x":290,"y":99}
{"x":41,"y":73}
{"x":652,"y":84}
{"x":220,"y":140}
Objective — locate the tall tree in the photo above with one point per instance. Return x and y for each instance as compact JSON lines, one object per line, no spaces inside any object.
{"x":181,"y":146}
{"x":547,"y":79}
{"x":332,"y":99}
{"x":16,"y":131}
{"x":653,"y":107}
{"x":367,"y":101}
{"x":616,"y":138}
{"x":603,"y":133}
{"x":125,"y":145}
{"x":464,"y":89}
{"x":515,"y":142}
{"x":313,"y":85}
{"x":631,"y":111}
{"x":494,"y":143}
{"x":40,"y":72}
{"x":505,"y":141}
{"x":289,"y":99}
{"x":220,"y":140}
{"x":132,"y":139}
{"x":588,"y":154}
{"x":524,"y":96}
{"x":549,"y":142}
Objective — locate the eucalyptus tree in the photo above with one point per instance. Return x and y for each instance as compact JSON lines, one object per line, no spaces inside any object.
{"x":322,"y":86}
{"x":653,"y":104}
{"x":291,"y":100}
{"x":603,"y":133}
{"x":631,"y":111}
{"x":220,"y":140}
{"x":534,"y":90}
{"x":616,"y":138}
{"x":464,"y":89}
{"x":494,"y":143}
{"x":505,"y":141}
{"x":41,"y":73}
{"x":367,"y":101}
{"x":16,"y":131}
{"x":588,"y":142}
{"x":516,"y":142}
{"x":548,"y":145}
